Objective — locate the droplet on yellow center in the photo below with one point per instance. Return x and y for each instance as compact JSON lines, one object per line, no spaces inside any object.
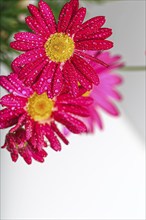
{"x":40,"y":107}
{"x":59,"y":47}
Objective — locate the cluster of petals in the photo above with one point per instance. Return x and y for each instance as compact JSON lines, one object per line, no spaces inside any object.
{"x":17,"y":144}
{"x":36,"y":68}
{"x":66,"y":111}
{"x":106,"y":92}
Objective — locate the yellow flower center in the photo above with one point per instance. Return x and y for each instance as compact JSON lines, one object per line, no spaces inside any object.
{"x":59,"y":47}
{"x":86,"y":94}
{"x":40,"y":107}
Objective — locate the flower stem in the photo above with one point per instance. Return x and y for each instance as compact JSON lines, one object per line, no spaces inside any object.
{"x":133,"y":68}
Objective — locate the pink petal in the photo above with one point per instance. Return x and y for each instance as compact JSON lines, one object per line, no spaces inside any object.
{"x":31,"y":67}
{"x":111,"y":79}
{"x":28,"y":37}
{"x":73,"y":124}
{"x":64,"y":17}
{"x":54,"y":143}
{"x":36,"y":27}
{"x":74,"y":5}
{"x":8,"y":117}
{"x":44,"y":83}
{"x":56,"y":130}
{"x":94,"y":45}
{"x":29,"y":128}
{"x":76,"y":21}
{"x":91,"y":26}
{"x":13,"y":101}
{"x":70,"y":75}
{"x":33,"y":73}
{"x":57,"y":81}
{"x":48,"y":16}
{"x":19,"y":123}
{"x":101,"y":34}
{"x":36,"y":13}
{"x":24,"y":46}
{"x":76,"y":110}
{"x":85,"y":69}
{"x":72,"y":101}
{"x":27,"y":57}
{"x":12,"y":84}
{"x":107,"y":105}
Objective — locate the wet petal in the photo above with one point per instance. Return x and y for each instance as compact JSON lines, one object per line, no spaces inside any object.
{"x":29,"y":56}
{"x":13,"y":101}
{"x":101,"y":34}
{"x":24,"y":46}
{"x":76,"y":21}
{"x":28,"y":37}
{"x":64,"y":17}
{"x":48,"y":16}
{"x":54,"y":143}
{"x":94,"y":45}
{"x":85,"y":69}
{"x":56,"y":130}
{"x":57,"y":81}
{"x":73,"y":124}
{"x":70,"y":75}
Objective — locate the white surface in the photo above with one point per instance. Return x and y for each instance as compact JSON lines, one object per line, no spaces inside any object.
{"x":95,"y":177}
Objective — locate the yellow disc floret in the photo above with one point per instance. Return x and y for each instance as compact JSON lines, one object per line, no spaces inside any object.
{"x":59,"y":47}
{"x":40,"y":107}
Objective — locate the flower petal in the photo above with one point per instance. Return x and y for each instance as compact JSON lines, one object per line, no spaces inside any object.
{"x":70,"y":75}
{"x":68,"y":100}
{"x":64,"y":17}
{"x":101,"y":34}
{"x":76,"y":110}
{"x":13,"y":101}
{"x":91,"y":26}
{"x":94,"y":45}
{"x":36,"y":13}
{"x":85,"y":69}
{"x":48,"y":16}
{"x":36,"y":27}
{"x":57,"y":81}
{"x":19,"y":123}
{"x":29,"y":56}
{"x":56,"y":130}
{"x":74,"y":5}
{"x":25,"y":46}
{"x":27,"y":37}
{"x":9,"y":117}
{"x":54,"y":143}
{"x":33,"y":72}
{"x":12,"y":84}
{"x":29,"y":128}
{"x":73,"y":124}
{"x":44,"y":83}
{"x":76,"y":21}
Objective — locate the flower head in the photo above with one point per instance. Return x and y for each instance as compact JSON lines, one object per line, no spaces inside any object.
{"x":39,"y":115}
{"x":17,"y":144}
{"x":56,"y":54}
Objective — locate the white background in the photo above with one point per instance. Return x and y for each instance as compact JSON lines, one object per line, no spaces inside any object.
{"x":100,"y":176}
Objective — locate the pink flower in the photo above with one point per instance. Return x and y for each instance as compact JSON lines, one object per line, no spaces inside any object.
{"x":104,"y":94}
{"x":17,"y":144}
{"x":56,"y":54}
{"x":38,"y":114}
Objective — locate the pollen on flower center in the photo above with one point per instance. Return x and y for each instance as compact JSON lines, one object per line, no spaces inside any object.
{"x":59,"y":47}
{"x":40,"y":107}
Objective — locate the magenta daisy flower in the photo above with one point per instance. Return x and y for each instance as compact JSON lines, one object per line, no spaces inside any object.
{"x":17,"y":144}
{"x":56,"y":54}
{"x":104,"y":94}
{"x":39,"y":115}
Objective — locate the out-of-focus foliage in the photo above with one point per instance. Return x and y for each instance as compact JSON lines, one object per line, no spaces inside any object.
{"x":12,"y":20}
